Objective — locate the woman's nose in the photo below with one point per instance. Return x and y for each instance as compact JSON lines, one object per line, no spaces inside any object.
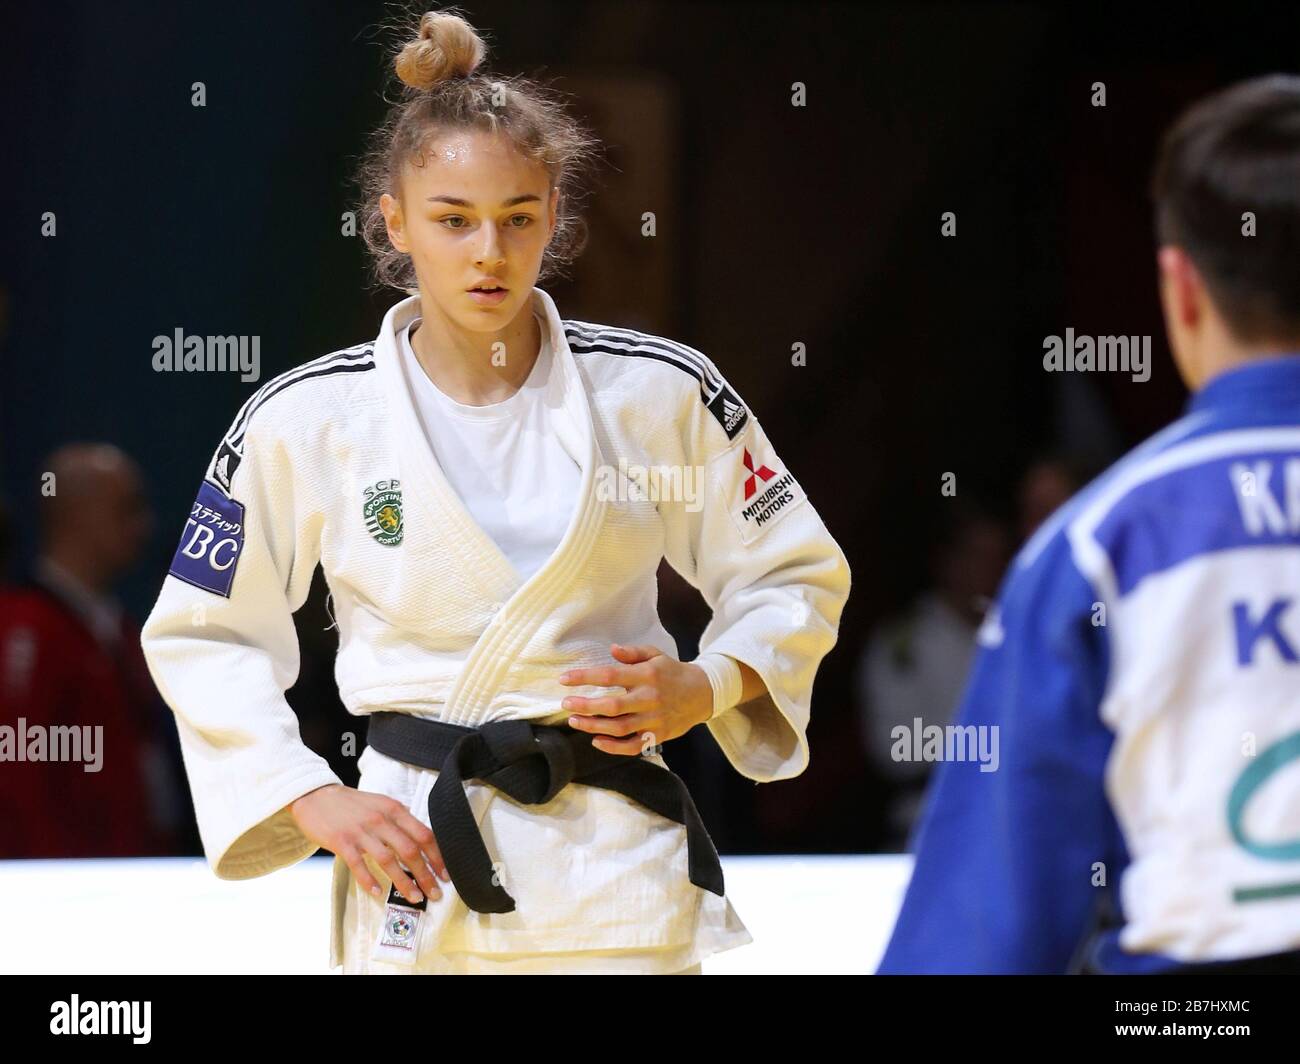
{"x":490,"y":247}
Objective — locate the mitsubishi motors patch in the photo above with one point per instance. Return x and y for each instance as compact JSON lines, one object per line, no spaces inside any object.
{"x":759,"y":489}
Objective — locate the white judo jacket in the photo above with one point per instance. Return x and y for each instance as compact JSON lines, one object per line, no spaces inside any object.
{"x":328,"y":464}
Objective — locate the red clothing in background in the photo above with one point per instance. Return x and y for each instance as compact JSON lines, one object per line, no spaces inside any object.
{"x":55,"y":671}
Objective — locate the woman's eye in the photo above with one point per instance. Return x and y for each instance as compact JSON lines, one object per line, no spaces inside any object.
{"x":518,"y":221}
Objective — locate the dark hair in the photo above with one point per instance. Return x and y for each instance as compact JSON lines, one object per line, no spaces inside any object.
{"x":1238,"y":151}
{"x":443,"y":90}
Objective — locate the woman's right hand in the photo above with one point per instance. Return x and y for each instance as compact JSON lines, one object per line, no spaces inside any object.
{"x":355,"y":824}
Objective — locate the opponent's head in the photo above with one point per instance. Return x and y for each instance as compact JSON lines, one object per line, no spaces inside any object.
{"x":1227,"y":214}
{"x":471,"y":176}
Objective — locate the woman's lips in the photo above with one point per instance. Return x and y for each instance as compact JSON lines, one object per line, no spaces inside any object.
{"x":488,"y":299}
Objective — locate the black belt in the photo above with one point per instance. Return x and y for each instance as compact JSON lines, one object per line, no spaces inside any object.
{"x":531,"y":763}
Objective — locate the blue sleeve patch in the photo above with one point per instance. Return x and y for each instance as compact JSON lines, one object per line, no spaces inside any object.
{"x":211,"y":543}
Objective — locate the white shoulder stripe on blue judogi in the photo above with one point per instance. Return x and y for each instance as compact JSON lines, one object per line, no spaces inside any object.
{"x":1091,"y":557}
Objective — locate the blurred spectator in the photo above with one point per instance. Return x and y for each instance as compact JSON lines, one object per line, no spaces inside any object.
{"x":914,"y":665}
{"x":1049,"y":481}
{"x":70,"y":658}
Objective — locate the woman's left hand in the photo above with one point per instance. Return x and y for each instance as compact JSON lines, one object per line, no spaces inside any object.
{"x":664,"y":699}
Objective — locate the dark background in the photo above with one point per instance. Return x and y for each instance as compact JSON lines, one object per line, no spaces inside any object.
{"x":777,"y":225}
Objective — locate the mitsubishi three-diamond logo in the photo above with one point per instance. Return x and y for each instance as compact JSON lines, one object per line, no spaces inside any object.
{"x":754,"y":474}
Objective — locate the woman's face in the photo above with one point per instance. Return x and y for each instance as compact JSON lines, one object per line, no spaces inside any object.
{"x":476,"y":210}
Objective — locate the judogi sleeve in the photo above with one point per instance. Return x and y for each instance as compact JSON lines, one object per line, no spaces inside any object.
{"x":1017,"y":841}
{"x":222,"y":649}
{"x":774,"y":578}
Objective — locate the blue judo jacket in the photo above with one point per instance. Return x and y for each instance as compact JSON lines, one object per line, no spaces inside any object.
{"x":1121,"y":787}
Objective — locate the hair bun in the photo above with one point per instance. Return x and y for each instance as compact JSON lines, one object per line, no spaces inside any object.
{"x":447,"y":47}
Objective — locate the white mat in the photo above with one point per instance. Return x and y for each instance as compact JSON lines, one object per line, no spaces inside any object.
{"x":829,"y":914}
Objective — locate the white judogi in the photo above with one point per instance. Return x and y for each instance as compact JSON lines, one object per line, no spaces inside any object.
{"x":328,"y":464}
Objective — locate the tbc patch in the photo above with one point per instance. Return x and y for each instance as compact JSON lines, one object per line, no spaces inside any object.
{"x":759,"y":490}
{"x":211,"y":543}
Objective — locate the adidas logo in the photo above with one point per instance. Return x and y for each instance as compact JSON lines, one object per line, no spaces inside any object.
{"x":728,"y":411}
{"x":223,"y":469}
{"x":732,"y":412}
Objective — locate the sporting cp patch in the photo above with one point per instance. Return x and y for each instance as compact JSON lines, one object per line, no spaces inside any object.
{"x":211,"y":543}
{"x":758,"y":489}
{"x":730,"y":411}
{"x":382,"y":510}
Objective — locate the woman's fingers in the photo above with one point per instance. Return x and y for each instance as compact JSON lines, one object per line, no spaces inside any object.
{"x":355,"y":861}
{"x":425,"y":839}
{"x":372,"y":831}
{"x":377,"y":849}
{"x":408,"y":849}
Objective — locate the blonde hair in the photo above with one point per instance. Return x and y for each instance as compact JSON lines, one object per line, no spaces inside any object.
{"x":443,"y":90}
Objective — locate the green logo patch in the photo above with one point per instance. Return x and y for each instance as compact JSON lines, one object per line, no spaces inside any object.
{"x":382,"y":511}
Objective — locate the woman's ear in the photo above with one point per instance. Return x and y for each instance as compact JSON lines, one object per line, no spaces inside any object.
{"x":392,"y":211}
{"x":555,"y":206}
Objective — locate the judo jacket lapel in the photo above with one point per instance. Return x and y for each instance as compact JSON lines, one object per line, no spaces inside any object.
{"x":519,"y":606}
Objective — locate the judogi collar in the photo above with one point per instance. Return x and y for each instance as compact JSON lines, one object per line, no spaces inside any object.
{"x":523,"y":605}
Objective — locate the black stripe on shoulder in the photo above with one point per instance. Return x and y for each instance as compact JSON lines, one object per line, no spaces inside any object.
{"x":614,"y":340}
{"x":357,"y":360}
{"x":254,"y":400}
{"x":231,"y":452}
{"x":586,"y":348}
{"x":717,"y":396}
